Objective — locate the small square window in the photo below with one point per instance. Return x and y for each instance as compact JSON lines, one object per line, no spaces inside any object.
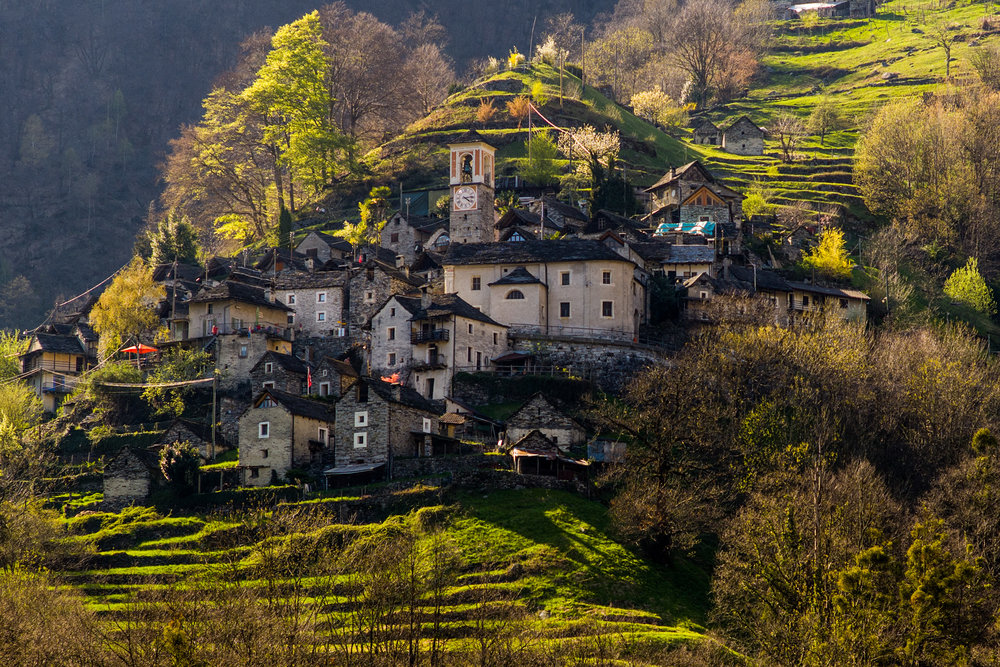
{"x":320,"y":297}
{"x":805,"y":301}
{"x":607,"y":309}
{"x":291,"y":299}
{"x":477,"y":283}
{"x":243,"y":351}
{"x":322,"y":435}
{"x":264,"y":430}
{"x":360,"y":440}
{"x":606,"y":278}
{"x":843,"y":303}
{"x":269,"y":367}
{"x":369,"y":297}
{"x":291,"y":318}
{"x":254,"y":473}
{"x":392,"y":359}
{"x":564,"y":278}
{"x":321,"y":316}
{"x":390,"y":333}
{"x":267,"y":402}
{"x":361,"y":418}
{"x":394,"y":237}
{"x":564,"y":309}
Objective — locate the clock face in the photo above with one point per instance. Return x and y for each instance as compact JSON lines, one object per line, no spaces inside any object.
{"x":465,"y":198}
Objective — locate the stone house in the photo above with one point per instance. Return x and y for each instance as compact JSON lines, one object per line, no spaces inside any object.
{"x":848,"y":304}
{"x":409,"y":235}
{"x":559,"y":215}
{"x":332,"y":378}
{"x":281,"y":431}
{"x":315,"y":301}
{"x":426,"y":340}
{"x":51,"y":365}
{"x":323,"y":247}
{"x":128,"y":479}
{"x":369,"y":287}
{"x":540,"y":414}
{"x":704,"y":131}
{"x":570,"y":287}
{"x":690,"y":194}
{"x":284,"y":372}
{"x":377,"y":421}
{"x":743,"y":137}
{"x":235,"y":307}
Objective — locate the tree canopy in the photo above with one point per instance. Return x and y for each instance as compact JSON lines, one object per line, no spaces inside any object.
{"x":128,"y":308}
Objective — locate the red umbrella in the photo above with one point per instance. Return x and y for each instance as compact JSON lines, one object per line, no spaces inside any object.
{"x":140,"y":349}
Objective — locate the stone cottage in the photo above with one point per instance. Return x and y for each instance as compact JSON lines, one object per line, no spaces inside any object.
{"x":743,"y":137}
{"x":541,"y":414}
{"x":128,"y":479}
{"x":377,"y":421}
{"x":283,"y":372}
{"x":281,"y":431}
{"x":704,"y":131}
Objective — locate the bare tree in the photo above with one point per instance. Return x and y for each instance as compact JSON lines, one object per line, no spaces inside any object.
{"x":702,"y":33}
{"x":788,"y":130}
{"x":430,"y":73}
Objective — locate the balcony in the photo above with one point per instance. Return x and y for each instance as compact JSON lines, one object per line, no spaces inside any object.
{"x":432,"y":336}
{"x":433,"y":363}
{"x":56,"y":389}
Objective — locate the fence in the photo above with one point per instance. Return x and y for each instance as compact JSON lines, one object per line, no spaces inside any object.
{"x":584,"y":333}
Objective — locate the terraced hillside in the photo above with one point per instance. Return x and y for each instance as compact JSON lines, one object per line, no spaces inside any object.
{"x":529,"y":568}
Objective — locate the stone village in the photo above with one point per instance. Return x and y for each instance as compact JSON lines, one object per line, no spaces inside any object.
{"x":344,"y":367}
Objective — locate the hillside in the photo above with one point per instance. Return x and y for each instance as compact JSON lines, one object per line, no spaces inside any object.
{"x":539,"y":565}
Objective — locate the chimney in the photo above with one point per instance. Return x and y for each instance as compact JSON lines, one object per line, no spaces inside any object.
{"x":425,"y":297}
{"x":397,"y":392}
{"x":400,"y":261}
{"x":726,"y":263}
{"x":310,"y":264}
{"x":269,"y":294}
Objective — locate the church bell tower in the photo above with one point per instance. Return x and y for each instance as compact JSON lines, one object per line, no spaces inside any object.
{"x":472,"y":216}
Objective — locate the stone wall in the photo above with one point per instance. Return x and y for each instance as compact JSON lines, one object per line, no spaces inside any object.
{"x":283,"y":379}
{"x":539,"y":413}
{"x":262,"y":455}
{"x":489,"y":388}
{"x":376,"y":428}
{"x":307,"y":307}
{"x":609,"y":365}
{"x":403,"y":420}
{"x":693,"y":214}
{"x":455,"y":465}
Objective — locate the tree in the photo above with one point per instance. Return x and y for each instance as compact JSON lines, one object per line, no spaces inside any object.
{"x":519,"y":108}
{"x":176,"y":365}
{"x":174,"y":239}
{"x":943,"y":37}
{"x":966,"y":285}
{"x":702,"y":34}
{"x":179,"y":463}
{"x":284,"y":231}
{"x":374,"y":214}
{"x":788,"y":130}
{"x":618,"y":59}
{"x":20,"y":410}
{"x":540,"y":168}
{"x":829,"y":257}
{"x":12,"y":345}
{"x":986,"y":61}
{"x":486,"y":110}
{"x":127,"y":310}
{"x":430,"y":73}
{"x":824,"y":118}
{"x":758,"y":199}
{"x":657,"y":107}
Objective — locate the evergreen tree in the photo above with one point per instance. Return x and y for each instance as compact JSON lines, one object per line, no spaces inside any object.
{"x":175,"y":239}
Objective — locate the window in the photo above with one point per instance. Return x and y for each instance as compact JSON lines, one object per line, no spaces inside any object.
{"x":514,"y":295}
{"x":394,"y":237}
{"x":361,"y":418}
{"x":320,"y":297}
{"x":468,"y":354}
{"x":427,"y":425}
{"x":607,"y":309}
{"x":843,"y":303}
{"x":470,"y":328}
{"x":210,"y":309}
{"x":390,"y":333}
{"x":268,"y":367}
{"x":254,"y":472}
{"x":477,"y":283}
{"x":360,"y":440}
{"x":369,"y":297}
{"x":264,"y":430}
{"x":704,"y":295}
{"x":324,"y":388}
{"x":516,"y":236}
{"x":564,"y":277}
{"x":264,"y":453}
{"x":362,"y":392}
{"x":321,"y":316}
{"x":243,"y":351}
{"x":805,"y":301}
{"x":322,"y":435}
{"x":291,"y":299}
{"x":291,"y":318}
{"x":392,"y":359}
{"x":605,"y":277}
{"x":267,"y":402}
{"x":392,"y":312}
{"x":496,"y":338}
{"x":564,"y":309}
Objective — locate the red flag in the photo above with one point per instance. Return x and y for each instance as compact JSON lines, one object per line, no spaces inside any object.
{"x":309,"y":378}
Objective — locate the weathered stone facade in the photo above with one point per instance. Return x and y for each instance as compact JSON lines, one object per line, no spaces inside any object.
{"x":236,"y":354}
{"x":127,"y":480}
{"x":199,"y":435}
{"x":317,"y":300}
{"x":541,"y":414}
{"x":377,"y":421}
{"x":743,"y":137}
{"x":279,"y":371}
{"x":371,"y":286}
{"x":280,"y":432}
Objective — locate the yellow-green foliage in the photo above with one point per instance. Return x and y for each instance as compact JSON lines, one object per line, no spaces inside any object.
{"x":966,"y":285}
{"x":829,"y":257}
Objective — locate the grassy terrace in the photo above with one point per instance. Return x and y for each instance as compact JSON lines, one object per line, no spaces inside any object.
{"x":547,"y":553}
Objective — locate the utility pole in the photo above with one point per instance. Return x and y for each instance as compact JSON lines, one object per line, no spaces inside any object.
{"x":215,"y":391}
{"x":888,"y":311}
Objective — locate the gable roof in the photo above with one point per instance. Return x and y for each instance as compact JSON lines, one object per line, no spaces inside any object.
{"x":308,"y":279}
{"x":528,"y":251}
{"x":290,"y":363}
{"x":651,"y":251}
{"x":712,"y":195}
{"x":452,"y":304}
{"x":519,"y":276}
{"x":694,"y":168}
{"x":237,"y":291}
{"x":690,"y":254}
{"x":540,"y":398}
{"x":56,"y":344}
{"x":536,"y":442}
{"x":394,"y":393}
{"x":743,"y":122}
{"x":830,"y":291}
{"x":297,"y":405}
{"x":339,"y":366}
{"x":703,"y":124}
{"x":766,"y":280}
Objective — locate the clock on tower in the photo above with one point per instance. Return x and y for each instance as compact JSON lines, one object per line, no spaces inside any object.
{"x":471,"y":178}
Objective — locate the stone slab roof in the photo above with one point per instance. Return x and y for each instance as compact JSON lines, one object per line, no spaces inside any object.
{"x":519,"y":276}
{"x":58,"y":344}
{"x":297,"y":405}
{"x":236,"y":291}
{"x":566,"y":250}
{"x":307,"y":279}
{"x":691,"y":254}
